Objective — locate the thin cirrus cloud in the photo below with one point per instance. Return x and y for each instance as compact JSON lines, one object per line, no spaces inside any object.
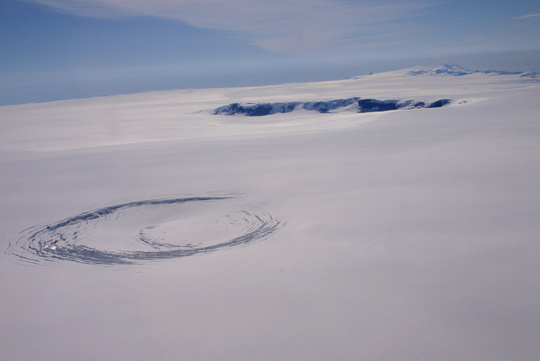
{"x":537,"y":15}
{"x":282,"y":26}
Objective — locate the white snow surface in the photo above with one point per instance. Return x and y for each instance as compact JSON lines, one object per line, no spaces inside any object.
{"x":403,"y":235}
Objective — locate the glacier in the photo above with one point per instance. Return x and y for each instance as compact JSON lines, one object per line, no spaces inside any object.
{"x":460,"y":70}
{"x":146,"y":227}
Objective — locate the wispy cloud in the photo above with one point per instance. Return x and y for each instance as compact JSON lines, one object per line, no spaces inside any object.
{"x":286,"y":26}
{"x":529,"y":16}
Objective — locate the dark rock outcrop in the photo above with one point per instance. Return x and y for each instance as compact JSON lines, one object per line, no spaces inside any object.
{"x":353,"y":104}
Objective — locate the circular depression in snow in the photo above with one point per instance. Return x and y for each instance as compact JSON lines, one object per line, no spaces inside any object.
{"x":147,"y":230}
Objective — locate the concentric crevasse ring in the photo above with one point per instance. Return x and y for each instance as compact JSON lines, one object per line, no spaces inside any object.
{"x":148,"y":230}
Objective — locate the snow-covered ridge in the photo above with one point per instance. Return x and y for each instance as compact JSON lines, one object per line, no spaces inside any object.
{"x":350,"y":104}
{"x":460,"y":70}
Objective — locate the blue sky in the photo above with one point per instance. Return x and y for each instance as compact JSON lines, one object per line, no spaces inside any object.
{"x":56,"y":49}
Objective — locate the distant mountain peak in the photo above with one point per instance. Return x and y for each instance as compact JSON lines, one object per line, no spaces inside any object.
{"x":460,"y":70}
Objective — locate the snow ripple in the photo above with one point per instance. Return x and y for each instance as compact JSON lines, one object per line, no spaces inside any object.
{"x":147,"y":230}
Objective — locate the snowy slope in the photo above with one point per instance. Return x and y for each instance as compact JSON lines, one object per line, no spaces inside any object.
{"x":459,"y":70}
{"x":145,"y":226}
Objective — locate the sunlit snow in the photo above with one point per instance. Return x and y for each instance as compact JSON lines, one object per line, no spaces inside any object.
{"x":146,"y":227}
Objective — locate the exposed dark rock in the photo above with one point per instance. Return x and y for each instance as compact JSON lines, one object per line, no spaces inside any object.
{"x":439,"y":103}
{"x":459,"y":70}
{"x":326,"y":106}
{"x":255,"y":110}
{"x":354,"y":104}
